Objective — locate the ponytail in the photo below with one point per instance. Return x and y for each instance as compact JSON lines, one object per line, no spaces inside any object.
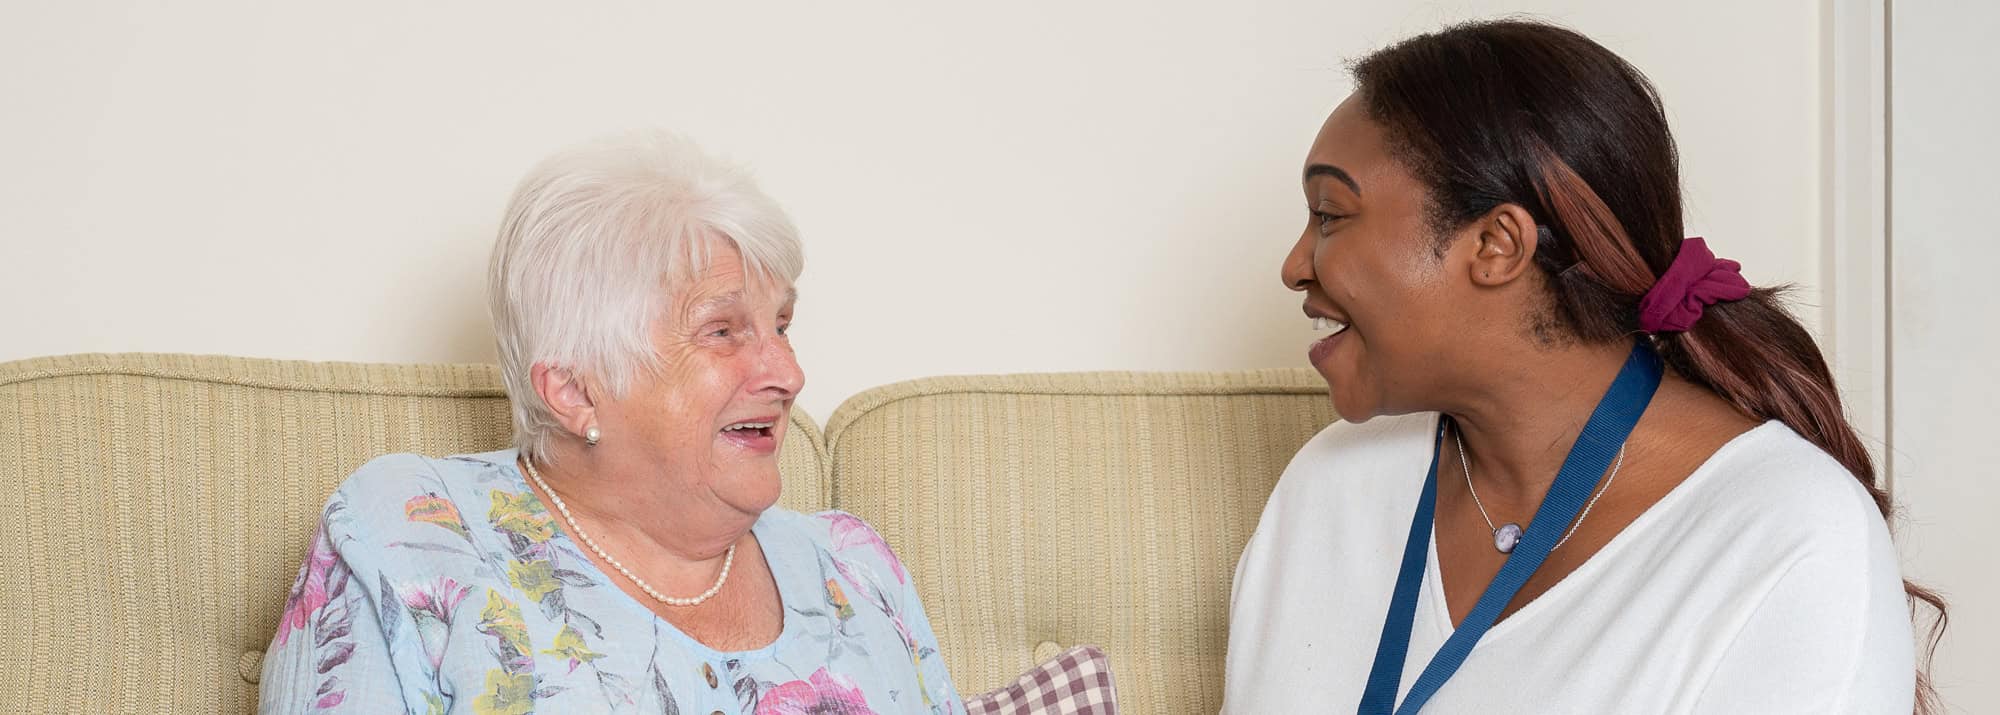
{"x":1757,"y":357}
{"x":1744,"y":346}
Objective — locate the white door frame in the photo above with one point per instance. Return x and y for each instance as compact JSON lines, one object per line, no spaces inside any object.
{"x":1854,"y":211}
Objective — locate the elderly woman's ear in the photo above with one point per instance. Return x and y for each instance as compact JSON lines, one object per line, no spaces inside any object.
{"x":568,"y":398}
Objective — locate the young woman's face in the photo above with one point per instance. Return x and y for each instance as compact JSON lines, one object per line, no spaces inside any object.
{"x":1369,"y":260}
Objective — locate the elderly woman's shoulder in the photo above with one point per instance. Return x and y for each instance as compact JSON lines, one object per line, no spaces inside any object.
{"x":827,"y":529}
{"x":844,"y":536}
{"x":398,"y":472}
{"x":390,"y":482}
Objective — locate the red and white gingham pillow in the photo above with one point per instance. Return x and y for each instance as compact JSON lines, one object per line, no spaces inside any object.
{"x":1076,"y":682}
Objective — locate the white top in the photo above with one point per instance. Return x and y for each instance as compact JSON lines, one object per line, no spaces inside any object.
{"x":1765,"y":583}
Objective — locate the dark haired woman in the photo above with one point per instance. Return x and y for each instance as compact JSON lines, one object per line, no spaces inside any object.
{"x":1586,"y":468}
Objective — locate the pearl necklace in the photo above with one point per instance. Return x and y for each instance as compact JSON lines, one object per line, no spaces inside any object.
{"x":1507,"y":535}
{"x":727,"y":560}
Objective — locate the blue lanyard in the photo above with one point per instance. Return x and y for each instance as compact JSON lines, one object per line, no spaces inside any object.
{"x":1602,"y":436}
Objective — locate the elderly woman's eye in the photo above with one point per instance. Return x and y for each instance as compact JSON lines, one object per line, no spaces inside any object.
{"x":719,"y":333}
{"x":784,"y":328}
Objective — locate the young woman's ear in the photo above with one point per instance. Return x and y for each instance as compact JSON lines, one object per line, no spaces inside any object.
{"x":1504,"y":245}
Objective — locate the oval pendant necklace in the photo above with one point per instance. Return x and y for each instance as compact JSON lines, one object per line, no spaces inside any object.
{"x":1507,"y":536}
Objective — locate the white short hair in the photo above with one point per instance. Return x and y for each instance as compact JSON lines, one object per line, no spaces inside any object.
{"x":596,"y":239}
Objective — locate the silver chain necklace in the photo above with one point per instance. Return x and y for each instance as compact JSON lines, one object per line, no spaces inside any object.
{"x":727,"y":560}
{"x":1507,"y":536}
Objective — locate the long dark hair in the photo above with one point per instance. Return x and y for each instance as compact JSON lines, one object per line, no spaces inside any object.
{"x":1524,"y":113}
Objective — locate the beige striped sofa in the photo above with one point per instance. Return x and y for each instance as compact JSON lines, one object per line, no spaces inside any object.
{"x":155,"y":507}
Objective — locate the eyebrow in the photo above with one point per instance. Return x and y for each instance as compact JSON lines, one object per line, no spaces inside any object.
{"x":1333,"y":171}
{"x":717,"y":303}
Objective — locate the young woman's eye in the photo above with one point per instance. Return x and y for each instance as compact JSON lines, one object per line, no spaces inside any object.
{"x":1324,"y":219}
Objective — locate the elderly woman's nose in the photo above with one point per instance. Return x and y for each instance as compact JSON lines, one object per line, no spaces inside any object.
{"x":781,"y":370}
{"x":1297,"y":270}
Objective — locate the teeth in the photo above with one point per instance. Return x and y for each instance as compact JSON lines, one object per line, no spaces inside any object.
{"x":1325,"y":323}
{"x":748,"y":425}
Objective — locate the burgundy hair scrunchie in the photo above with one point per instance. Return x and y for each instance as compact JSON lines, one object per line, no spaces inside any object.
{"x":1696,"y":280}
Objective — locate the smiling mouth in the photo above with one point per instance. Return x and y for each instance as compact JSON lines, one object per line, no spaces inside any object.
{"x":750,"y":429}
{"x":757,"y":436}
{"x":1324,"y":346}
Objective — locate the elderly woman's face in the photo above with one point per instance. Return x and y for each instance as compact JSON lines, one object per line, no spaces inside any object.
{"x":714,"y":416}
{"x":1366,"y":260}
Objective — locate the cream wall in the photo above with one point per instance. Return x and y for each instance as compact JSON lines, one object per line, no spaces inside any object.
{"x":1943,"y":387}
{"x":983,"y":188}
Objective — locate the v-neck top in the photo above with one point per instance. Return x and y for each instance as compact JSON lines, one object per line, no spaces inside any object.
{"x":444,"y":585}
{"x":1765,"y":582}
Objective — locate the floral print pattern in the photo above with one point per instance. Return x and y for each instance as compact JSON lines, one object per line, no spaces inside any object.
{"x":318,"y":605}
{"x":850,"y":532}
{"x":309,"y":592}
{"x":822,"y":694}
{"x":431,"y":610}
{"x":476,"y":602}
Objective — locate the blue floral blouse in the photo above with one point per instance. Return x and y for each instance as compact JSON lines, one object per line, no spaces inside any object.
{"x":444,"y":586}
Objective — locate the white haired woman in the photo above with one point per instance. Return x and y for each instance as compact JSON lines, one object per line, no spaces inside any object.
{"x":624,"y":555}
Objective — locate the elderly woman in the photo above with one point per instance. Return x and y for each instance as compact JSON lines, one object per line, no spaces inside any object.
{"x":624,"y":555}
{"x":1585,"y":467}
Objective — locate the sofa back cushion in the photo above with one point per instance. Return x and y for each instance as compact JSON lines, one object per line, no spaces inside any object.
{"x":157,"y":507}
{"x":1041,"y":512}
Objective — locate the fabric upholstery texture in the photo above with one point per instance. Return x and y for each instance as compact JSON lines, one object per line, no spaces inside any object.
{"x":158,"y":506}
{"x":1038,"y":512}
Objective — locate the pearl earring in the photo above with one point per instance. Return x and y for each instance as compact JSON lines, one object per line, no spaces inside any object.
{"x":590,"y":435}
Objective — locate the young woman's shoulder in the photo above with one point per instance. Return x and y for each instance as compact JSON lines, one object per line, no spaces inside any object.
{"x":1382,"y":453}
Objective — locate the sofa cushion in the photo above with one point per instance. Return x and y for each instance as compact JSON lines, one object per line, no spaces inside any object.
{"x":1052,"y":510}
{"x":157,"y":507}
